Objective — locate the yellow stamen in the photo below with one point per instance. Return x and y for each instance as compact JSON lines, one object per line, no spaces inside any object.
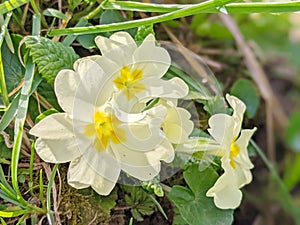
{"x":234,"y":151}
{"x":105,"y":128}
{"x":128,"y":81}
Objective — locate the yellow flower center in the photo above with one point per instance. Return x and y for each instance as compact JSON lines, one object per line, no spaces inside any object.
{"x":105,"y":127}
{"x":128,"y":81}
{"x":234,"y":151}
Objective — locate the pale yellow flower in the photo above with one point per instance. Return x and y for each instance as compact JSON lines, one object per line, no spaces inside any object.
{"x":230,"y":144}
{"x":90,"y":136}
{"x":136,"y":71}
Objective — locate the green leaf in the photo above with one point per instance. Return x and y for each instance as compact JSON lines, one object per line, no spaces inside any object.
{"x":87,"y":40}
{"x":55,"y":13}
{"x":293,"y":131}
{"x":247,"y":92}
{"x":193,"y":205}
{"x":113,"y":16}
{"x":292,"y":171}
{"x":50,"y":56}
{"x":13,"y":69}
{"x":140,"y":201}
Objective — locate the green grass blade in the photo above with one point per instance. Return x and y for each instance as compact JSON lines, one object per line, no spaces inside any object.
{"x":12,"y":195}
{"x":10,"y":5}
{"x":4,"y":181}
{"x":188,"y":11}
{"x":49,"y":186}
{"x":12,"y":109}
{"x":7,"y":198}
{"x":249,"y":7}
{"x":20,"y":120}
{"x":10,"y":214}
{"x":42,"y":198}
{"x":2,"y":221}
{"x":10,"y":113}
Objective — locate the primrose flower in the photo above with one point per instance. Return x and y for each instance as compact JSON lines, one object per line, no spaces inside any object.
{"x":232,"y":148}
{"x":98,"y":139}
{"x":136,"y":71}
{"x":230,"y":144}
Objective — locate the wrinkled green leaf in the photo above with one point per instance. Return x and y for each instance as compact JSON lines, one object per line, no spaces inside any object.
{"x":50,"y":56}
{"x":247,"y":92}
{"x":192,"y":203}
{"x":140,"y":201}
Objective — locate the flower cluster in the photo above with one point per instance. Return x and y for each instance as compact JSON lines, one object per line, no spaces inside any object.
{"x":107,"y":124}
{"x":230,"y":144}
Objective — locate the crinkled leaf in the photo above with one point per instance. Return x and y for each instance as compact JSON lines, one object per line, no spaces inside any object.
{"x":247,"y":92}
{"x":50,"y":56}
{"x":193,"y":205}
{"x":140,"y":201}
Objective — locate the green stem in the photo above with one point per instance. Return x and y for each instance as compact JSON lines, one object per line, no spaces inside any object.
{"x":251,"y":7}
{"x":3,"y":88}
{"x":188,"y":11}
{"x":288,"y":201}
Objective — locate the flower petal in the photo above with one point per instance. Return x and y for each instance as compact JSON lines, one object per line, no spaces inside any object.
{"x":239,"y":109}
{"x":221,"y":129}
{"x":243,"y":158}
{"x":177,"y":125}
{"x":81,"y":175}
{"x":65,"y":87}
{"x":136,"y":163}
{"x":119,"y":47}
{"x":225,"y":192}
{"x":158,"y":88}
{"x":153,"y":60}
{"x":94,"y":87}
{"x":104,"y":162}
{"x":164,"y":151}
{"x":145,"y":135}
{"x":56,"y":142}
{"x":54,"y":126}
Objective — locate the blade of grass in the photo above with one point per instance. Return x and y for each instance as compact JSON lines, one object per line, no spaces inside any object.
{"x":11,"y":5}
{"x":12,"y":109}
{"x":51,"y":180}
{"x":247,"y":7}
{"x":42,"y":199}
{"x":5,"y":197}
{"x":287,"y":203}
{"x":30,"y":183}
{"x":8,"y":214}
{"x":2,"y":221}
{"x":4,"y":181}
{"x":188,"y":11}
{"x":158,"y":206}
{"x":20,"y":119}
{"x":19,"y":124}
